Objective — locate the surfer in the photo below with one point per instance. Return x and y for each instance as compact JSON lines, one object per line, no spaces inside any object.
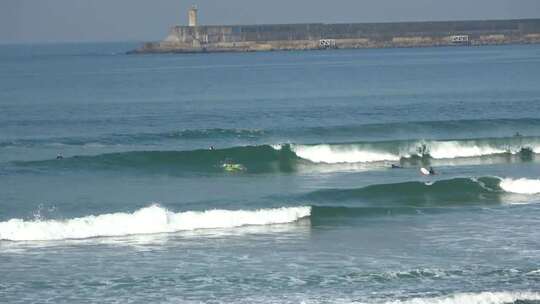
{"x":422,"y":150}
{"x":59,"y":156}
{"x":429,"y":171}
{"x":394,"y":166}
{"x":211,"y":148}
{"x":230,"y":166}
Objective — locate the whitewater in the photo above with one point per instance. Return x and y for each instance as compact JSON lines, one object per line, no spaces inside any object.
{"x":157,"y":219}
{"x":475,"y":298}
{"x":152,"y":219}
{"x":521,"y":185}
{"x":395,"y":151}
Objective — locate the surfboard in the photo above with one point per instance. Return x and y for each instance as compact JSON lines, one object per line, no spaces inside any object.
{"x":233,"y":167}
{"x":424,"y":171}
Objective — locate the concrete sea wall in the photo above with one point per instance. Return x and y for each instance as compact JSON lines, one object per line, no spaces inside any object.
{"x":245,"y":38}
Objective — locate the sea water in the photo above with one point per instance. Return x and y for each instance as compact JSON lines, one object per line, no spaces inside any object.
{"x":267,"y":178}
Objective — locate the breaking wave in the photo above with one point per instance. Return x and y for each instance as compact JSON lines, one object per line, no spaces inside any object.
{"x":152,"y":219}
{"x":374,"y":200}
{"x":341,"y":154}
{"x":476,"y":298}
{"x":292,"y":157}
{"x":456,"y":191}
{"x":403,"y":150}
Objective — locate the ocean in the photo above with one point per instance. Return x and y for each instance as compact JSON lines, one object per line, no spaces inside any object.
{"x":273,"y":177}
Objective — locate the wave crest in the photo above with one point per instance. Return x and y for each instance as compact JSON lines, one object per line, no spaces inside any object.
{"x":400,"y":150}
{"x":152,"y":219}
{"x":295,"y":157}
{"x":332,"y":154}
{"x":444,"y":192}
{"x":454,"y":149}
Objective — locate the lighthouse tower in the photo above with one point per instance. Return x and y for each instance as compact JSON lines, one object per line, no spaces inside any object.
{"x":192,"y":14}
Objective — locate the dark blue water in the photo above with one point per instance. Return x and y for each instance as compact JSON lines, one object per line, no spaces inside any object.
{"x":267,"y":177}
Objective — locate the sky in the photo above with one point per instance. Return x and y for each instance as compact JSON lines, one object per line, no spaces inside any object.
{"x":35,"y":21}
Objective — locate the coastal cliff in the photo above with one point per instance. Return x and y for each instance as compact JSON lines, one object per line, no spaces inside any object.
{"x":246,"y":38}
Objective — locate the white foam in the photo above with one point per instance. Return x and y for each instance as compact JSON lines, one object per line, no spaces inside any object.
{"x":522,"y":185}
{"x":367,"y":153}
{"x":454,"y":149}
{"x":152,"y":219}
{"x":475,"y":298}
{"x":277,"y":147}
{"x":341,"y":154}
{"x":534,"y":272}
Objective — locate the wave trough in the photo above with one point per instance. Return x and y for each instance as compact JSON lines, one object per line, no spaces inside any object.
{"x":148,"y":220}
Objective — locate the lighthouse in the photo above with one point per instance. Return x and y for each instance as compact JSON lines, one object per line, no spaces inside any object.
{"x":192,"y":15}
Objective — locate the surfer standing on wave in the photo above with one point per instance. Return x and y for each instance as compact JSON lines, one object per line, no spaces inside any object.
{"x":422,"y":150}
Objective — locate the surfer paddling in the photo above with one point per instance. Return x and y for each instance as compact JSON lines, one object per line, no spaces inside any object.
{"x":430,"y":171}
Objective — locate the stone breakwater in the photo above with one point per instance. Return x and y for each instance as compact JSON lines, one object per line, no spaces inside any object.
{"x":247,"y":38}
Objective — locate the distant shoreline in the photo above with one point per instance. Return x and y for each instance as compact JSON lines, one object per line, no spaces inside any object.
{"x":317,"y":36}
